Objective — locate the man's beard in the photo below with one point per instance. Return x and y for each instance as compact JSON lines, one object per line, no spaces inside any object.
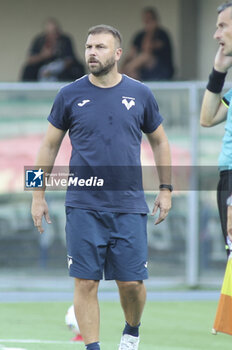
{"x":101,"y":69}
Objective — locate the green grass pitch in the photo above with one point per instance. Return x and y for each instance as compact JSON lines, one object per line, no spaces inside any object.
{"x":165,"y":326}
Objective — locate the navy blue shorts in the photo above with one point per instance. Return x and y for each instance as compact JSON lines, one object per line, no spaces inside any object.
{"x":113,"y":243}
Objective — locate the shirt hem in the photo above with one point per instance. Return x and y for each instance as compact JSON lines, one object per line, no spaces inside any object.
{"x":112,"y":210}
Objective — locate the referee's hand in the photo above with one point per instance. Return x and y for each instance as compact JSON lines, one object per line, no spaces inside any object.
{"x":163,"y":202}
{"x":229,"y":222}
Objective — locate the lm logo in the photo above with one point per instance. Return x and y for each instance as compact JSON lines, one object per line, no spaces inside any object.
{"x":34,"y":178}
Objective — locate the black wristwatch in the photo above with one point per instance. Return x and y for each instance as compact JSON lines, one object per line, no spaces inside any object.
{"x":168,"y":187}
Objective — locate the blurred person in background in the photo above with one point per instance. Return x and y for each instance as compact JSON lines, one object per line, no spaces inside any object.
{"x":217,"y":109}
{"x":51,"y":56}
{"x":150,"y":56}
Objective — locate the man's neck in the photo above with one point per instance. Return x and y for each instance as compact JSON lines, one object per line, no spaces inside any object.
{"x":106,"y":81}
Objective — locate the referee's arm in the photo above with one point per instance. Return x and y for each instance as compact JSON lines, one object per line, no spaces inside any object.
{"x":229,"y":222}
{"x":213,"y":110}
{"x":229,"y":217}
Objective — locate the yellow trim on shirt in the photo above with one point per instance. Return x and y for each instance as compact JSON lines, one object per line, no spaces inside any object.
{"x":225,"y":102}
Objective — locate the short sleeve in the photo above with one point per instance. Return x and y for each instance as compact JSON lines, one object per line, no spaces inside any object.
{"x":152,"y":118}
{"x":227,"y":98}
{"x":58,"y":116}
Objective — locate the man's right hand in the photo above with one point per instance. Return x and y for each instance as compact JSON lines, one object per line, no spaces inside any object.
{"x":47,"y":155}
{"x":222,"y":63}
{"x":39,"y":208}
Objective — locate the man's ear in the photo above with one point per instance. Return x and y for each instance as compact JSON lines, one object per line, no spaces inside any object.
{"x":118,"y":53}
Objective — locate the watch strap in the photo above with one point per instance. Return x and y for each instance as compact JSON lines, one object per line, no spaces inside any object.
{"x":168,"y":187}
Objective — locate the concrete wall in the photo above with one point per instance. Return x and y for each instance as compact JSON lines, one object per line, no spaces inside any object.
{"x":21,"y":20}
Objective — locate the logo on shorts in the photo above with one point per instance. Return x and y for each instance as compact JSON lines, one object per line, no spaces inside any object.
{"x":34,"y":178}
{"x":70,"y":261}
{"x":146,"y":264}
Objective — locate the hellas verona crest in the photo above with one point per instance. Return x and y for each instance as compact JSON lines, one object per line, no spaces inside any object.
{"x":128,"y":102}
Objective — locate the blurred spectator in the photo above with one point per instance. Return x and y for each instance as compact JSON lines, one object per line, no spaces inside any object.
{"x":51,"y":56}
{"x":150,"y":56}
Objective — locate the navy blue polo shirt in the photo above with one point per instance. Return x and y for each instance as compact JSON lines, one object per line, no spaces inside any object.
{"x":105,"y":128}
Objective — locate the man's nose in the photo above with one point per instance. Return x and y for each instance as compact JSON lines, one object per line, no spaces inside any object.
{"x":92,"y":51}
{"x":216,"y":35}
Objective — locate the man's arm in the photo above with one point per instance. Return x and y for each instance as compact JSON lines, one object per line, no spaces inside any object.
{"x":213,"y":110}
{"x":161,"y":150}
{"x":37,"y":53}
{"x":46,"y":158}
{"x":229,"y":222}
{"x":229,"y":217}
